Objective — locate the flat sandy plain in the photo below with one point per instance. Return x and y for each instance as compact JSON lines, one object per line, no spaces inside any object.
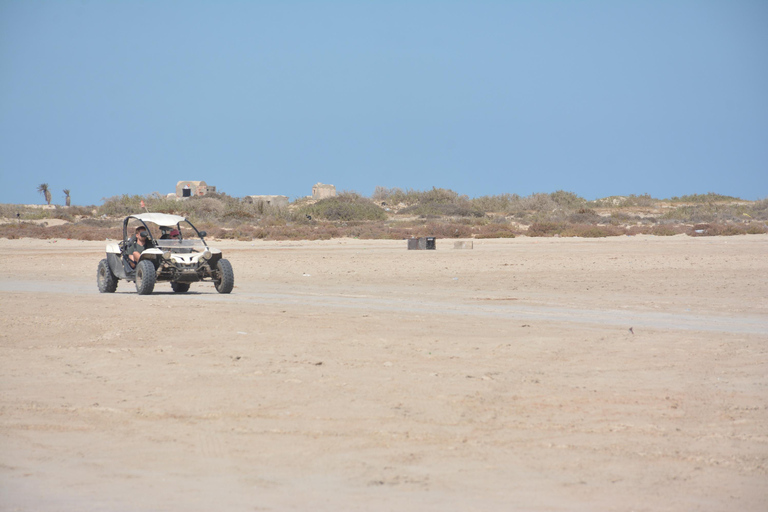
{"x":357,"y":375}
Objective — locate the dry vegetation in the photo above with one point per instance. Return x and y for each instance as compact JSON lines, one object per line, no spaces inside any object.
{"x":393,"y":213}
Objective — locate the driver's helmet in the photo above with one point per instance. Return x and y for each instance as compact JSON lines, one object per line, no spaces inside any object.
{"x":174,"y":233}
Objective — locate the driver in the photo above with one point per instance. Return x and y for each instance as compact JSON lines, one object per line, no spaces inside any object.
{"x":137,"y":245}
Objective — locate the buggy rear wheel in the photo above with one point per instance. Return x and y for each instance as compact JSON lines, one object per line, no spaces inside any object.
{"x":105,"y":279}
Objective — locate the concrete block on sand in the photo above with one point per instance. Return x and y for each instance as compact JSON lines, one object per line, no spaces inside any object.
{"x":463,"y":244}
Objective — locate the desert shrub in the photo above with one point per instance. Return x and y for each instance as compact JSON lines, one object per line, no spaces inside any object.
{"x":17,"y":230}
{"x":709,"y":197}
{"x":433,"y":210}
{"x":689,"y":214}
{"x":504,"y":203}
{"x":545,"y":228}
{"x":717,"y":229}
{"x":447,"y":230}
{"x":712,"y":213}
{"x":658,"y":230}
{"x":37,"y":214}
{"x":753,"y":228}
{"x":69,"y":213}
{"x":496,"y":219}
{"x":238,"y":212}
{"x":609,"y":202}
{"x":245,"y":232}
{"x":440,"y":196}
{"x":494,"y":231}
{"x":539,"y":203}
{"x":567,"y":200}
{"x":9,"y":211}
{"x":120,"y":206}
{"x":585,"y":216}
{"x":496,"y":234}
{"x":440,"y":202}
{"x":380,"y":193}
{"x":412,"y":197}
{"x":757,"y":210}
{"x":632,"y":200}
{"x":643,"y":200}
{"x":91,"y":222}
{"x":667,"y":230}
{"x":167,"y":205}
{"x":70,"y":231}
{"x":395,"y":196}
{"x":81,"y":211}
{"x":701,"y":230}
{"x":638,"y":230}
{"x":621,"y":218}
{"x":62,"y":214}
{"x":591,"y":231}
{"x":344,"y":207}
{"x":205,"y":209}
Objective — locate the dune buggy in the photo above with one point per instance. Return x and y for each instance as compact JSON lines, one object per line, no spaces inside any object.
{"x":180,"y":256}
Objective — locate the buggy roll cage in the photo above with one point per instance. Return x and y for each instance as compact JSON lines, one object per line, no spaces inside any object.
{"x":163,"y":220}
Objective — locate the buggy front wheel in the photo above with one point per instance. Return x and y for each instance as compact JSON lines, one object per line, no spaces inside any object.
{"x":145,"y":277}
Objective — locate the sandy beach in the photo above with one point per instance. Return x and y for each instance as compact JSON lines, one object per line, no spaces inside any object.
{"x":541,"y":374}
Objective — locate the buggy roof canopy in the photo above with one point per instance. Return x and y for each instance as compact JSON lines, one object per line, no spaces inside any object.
{"x":161,"y":219}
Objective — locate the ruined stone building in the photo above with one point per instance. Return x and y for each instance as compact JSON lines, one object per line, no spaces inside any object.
{"x":321,"y":191}
{"x":193,"y":188}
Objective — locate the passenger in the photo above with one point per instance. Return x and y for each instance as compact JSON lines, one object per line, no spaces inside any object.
{"x":137,"y":245}
{"x":173,"y":234}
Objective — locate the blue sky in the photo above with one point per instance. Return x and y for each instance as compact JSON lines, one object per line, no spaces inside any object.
{"x":259,"y":97}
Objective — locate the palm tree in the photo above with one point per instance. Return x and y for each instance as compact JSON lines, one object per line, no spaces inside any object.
{"x":66,"y":191}
{"x":43,"y":189}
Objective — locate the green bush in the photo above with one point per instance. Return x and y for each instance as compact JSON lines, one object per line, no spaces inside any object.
{"x":344,"y":207}
{"x":709,"y":197}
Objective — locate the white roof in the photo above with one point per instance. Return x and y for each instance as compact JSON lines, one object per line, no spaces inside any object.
{"x":161,"y":219}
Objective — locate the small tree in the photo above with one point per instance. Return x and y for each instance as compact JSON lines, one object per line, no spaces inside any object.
{"x":43,"y":189}
{"x":68,"y":200}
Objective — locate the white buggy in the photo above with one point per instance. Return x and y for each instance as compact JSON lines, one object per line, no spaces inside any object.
{"x":180,"y":256}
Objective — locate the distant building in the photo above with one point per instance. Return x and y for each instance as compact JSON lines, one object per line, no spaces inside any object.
{"x":279,"y":201}
{"x":321,"y":191}
{"x":193,"y":188}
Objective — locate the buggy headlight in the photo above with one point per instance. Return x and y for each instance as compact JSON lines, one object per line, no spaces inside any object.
{"x":207,"y":255}
{"x":167,"y":255}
